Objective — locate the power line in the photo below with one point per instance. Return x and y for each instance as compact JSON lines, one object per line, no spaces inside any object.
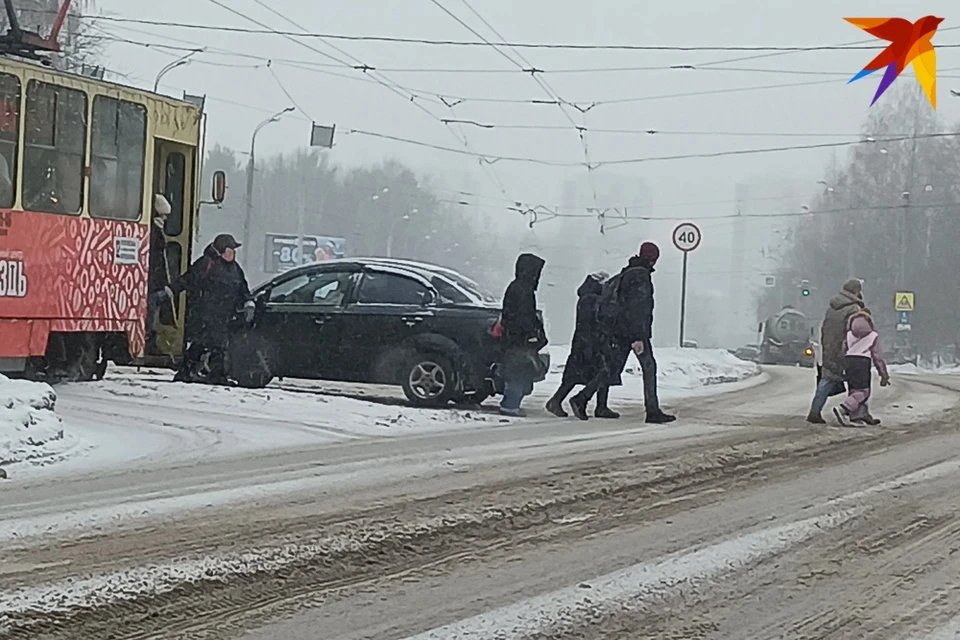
{"x":623,"y":161}
{"x":379,"y":77}
{"x":527,"y":67}
{"x":481,"y":43}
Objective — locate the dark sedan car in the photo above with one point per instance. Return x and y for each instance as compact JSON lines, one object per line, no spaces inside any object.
{"x":374,"y":320}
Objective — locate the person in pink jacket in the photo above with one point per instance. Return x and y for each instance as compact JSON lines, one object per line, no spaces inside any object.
{"x":862,"y":350}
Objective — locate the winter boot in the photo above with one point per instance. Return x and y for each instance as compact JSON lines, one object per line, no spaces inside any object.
{"x":815,"y":418}
{"x":842,"y":415}
{"x":579,"y":406}
{"x":606,"y":413}
{"x":512,"y":413}
{"x":870,"y":420}
{"x":659,"y":417}
{"x":554,"y":407}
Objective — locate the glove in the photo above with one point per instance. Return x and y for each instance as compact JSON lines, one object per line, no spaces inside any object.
{"x":885,"y":381}
{"x":249,"y":310}
{"x":638,"y":347}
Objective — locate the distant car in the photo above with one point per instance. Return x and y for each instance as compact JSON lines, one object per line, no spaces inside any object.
{"x":690,"y":344}
{"x":375,"y":320}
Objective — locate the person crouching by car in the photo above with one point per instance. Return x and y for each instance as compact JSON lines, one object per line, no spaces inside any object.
{"x":523,"y":335}
{"x":216,"y":288}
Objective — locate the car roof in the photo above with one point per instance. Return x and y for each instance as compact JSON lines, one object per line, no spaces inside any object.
{"x":420,"y":270}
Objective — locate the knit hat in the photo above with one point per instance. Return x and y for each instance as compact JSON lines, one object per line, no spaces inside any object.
{"x":853,"y":286}
{"x":161,"y":205}
{"x":649,"y":252}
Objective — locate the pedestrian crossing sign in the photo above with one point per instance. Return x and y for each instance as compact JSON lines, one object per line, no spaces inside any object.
{"x":903,"y":301}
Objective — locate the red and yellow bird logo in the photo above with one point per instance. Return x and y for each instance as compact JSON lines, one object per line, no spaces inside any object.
{"x":908,"y":43}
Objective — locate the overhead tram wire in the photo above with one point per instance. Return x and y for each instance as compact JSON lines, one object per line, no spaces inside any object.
{"x":519,"y":45}
{"x":617,"y":131}
{"x":640,"y":160}
{"x":532,"y":70}
{"x":705,"y":66}
{"x":486,"y":168}
{"x":369,"y":71}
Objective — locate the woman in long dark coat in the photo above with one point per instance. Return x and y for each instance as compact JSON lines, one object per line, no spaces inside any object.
{"x":584,"y":359}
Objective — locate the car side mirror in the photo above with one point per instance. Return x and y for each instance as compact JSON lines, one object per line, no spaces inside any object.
{"x":428,"y":298}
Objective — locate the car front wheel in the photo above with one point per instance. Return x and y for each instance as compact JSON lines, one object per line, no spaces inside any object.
{"x":429,"y":380}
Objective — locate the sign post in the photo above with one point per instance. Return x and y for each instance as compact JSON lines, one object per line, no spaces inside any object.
{"x":686,"y":238}
{"x":903,"y":304}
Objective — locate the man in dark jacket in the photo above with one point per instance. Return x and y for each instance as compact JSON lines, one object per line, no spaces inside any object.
{"x":216,"y":288}
{"x":833,"y":333}
{"x":626,"y":319}
{"x":523,"y":334}
{"x":584,"y":359}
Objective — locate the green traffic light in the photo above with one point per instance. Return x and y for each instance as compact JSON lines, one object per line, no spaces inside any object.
{"x":805,"y":293}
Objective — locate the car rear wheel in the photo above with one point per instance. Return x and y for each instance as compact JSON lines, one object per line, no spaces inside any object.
{"x":429,"y":380}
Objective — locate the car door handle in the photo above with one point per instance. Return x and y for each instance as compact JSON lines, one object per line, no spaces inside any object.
{"x":319,"y":321}
{"x":411,"y":320}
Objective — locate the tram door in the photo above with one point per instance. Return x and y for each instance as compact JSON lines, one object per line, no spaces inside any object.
{"x":174,"y":178}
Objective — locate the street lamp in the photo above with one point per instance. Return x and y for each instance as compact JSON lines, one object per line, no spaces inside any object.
{"x":393,"y":228}
{"x":179,"y":62}
{"x":250,"y":167}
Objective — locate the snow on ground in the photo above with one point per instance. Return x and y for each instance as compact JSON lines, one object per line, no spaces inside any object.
{"x":680,"y":373}
{"x":30,"y":429}
{"x":134,"y":418}
{"x":914,"y":370}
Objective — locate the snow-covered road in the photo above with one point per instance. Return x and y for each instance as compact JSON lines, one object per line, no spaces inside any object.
{"x":237,"y":512}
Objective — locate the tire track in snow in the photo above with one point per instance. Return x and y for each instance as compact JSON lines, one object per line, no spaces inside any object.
{"x":647,"y":580}
{"x":639,"y":584}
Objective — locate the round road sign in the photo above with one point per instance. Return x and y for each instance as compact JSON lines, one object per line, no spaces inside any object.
{"x":687,"y":237}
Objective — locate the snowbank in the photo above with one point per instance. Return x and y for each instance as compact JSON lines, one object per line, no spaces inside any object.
{"x":679,"y":371}
{"x":913,"y":370}
{"x":30,"y":430}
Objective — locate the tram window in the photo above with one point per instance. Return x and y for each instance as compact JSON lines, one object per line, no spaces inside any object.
{"x":53,"y":150}
{"x":175,"y":170}
{"x":118,"y":146}
{"x":9,"y":133}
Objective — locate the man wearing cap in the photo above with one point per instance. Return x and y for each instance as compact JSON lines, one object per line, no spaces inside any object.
{"x":626,"y":319}
{"x":833,"y":334}
{"x":216,"y":288}
{"x":159,"y":275}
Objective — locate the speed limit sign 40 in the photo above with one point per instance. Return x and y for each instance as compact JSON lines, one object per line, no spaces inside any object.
{"x":687,"y":237}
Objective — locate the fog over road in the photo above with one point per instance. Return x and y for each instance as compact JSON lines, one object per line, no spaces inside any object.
{"x":739,"y":521}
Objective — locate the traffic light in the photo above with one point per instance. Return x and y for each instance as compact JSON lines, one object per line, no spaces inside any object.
{"x":805,"y":288}
{"x":805,"y":292}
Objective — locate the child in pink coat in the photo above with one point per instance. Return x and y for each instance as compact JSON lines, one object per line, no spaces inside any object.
{"x":862,"y":349}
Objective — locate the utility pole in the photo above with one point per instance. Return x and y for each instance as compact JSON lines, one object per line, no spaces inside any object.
{"x":251,"y":167}
{"x":902,"y":276}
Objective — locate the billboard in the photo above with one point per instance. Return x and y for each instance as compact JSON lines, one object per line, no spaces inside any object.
{"x":282,"y":251}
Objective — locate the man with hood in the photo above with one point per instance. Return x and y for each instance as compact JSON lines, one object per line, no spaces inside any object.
{"x":584,"y":359}
{"x":626,"y":320}
{"x":216,"y":288}
{"x":833,"y":334}
{"x":523,"y":334}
